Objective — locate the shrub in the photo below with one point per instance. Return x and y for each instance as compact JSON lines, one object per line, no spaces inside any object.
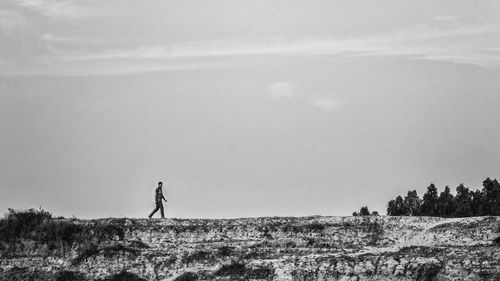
{"x":422,"y":251}
{"x":374,"y":227}
{"x":25,"y":273}
{"x":315,"y":226}
{"x":238,"y":271}
{"x":260,"y":273}
{"x":197,"y":256}
{"x":115,"y":249}
{"x":187,"y":276}
{"x":37,"y":226}
{"x":108,"y":231}
{"x":496,"y":241}
{"x":123,"y":276}
{"x":375,"y":230}
{"x":225,"y":251}
{"x":69,"y":276}
{"x":139,"y":244}
{"x":40,"y":227}
{"x":234,"y":269}
{"x":298,"y":228}
{"x":364,"y":211}
{"x":428,"y":272}
{"x":88,"y":250}
{"x":22,"y":224}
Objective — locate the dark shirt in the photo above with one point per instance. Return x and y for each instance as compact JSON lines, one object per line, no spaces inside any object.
{"x":159,"y":195}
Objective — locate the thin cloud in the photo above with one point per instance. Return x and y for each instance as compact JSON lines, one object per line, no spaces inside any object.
{"x":423,"y":42}
{"x":282,"y":90}
{"x":3,"y":85}
{"x":227,"y":49}
{"x":59,"y":9}
{"x":286,"y":90}
{"x":49,"y":37}
{"x":325,"y":103}
{"x":472,"y":45}
{"x":10,"y":19}
{"x":442,"y":18}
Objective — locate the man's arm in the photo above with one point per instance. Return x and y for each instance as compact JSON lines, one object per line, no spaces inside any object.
{"x":164,"y":197}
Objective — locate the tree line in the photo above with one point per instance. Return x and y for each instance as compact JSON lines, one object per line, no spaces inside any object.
{"x":466,"y":203}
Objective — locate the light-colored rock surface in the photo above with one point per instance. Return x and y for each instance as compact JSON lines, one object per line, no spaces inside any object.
{"x":310,"y":248}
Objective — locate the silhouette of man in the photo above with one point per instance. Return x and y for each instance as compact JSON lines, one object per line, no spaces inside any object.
{"x":159,"y":203}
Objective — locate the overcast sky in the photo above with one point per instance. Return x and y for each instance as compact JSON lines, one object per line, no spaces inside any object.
{"x":244,"y":108}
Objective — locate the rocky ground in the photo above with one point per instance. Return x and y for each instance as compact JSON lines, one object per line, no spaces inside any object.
{"x":277,"y":248}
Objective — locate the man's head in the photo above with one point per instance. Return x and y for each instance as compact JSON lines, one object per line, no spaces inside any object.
{"x":160,"y":184}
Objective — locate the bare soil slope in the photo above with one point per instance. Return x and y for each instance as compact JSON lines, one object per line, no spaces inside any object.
{"x":308,"y":248}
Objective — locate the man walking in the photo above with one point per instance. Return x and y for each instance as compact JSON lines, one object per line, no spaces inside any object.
{"x":159,"y":203}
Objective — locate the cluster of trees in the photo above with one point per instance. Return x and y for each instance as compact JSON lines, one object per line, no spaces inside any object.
{"x":365,"y":212}
{"x":466,"y":203}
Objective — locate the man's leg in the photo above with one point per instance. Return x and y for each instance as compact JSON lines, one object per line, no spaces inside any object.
{"x":161,"y":209}
{"x":154,"y":211}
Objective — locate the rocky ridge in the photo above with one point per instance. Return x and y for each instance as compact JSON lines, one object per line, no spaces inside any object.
{"x":274,"y":248}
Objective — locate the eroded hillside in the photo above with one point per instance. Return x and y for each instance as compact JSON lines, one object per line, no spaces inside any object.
{"x":310,"y":248}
